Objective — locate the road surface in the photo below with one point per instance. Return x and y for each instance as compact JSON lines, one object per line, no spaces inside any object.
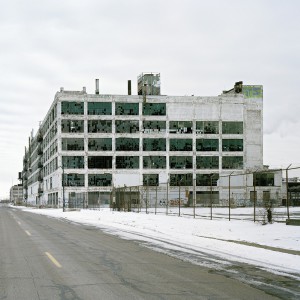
{"x":46,"y":258}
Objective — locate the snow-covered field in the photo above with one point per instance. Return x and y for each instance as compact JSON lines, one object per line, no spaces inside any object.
{"x":191,"y":239}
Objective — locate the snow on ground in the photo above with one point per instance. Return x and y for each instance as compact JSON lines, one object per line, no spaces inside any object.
{"x":218,"y":238}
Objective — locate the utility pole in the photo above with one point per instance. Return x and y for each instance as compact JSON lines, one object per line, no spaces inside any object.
{"x":63,"y":186}
{"x":229,"y":206}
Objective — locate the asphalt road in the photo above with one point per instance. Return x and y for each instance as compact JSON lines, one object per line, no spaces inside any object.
{"x":45,"y":258}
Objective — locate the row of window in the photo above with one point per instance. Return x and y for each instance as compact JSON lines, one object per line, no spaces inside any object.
{"x":132,"y":126}
{"x":151,"y":144}
{"x":153,"y":179}
{"x":153,"y":162}
{"x":148,"y":179}
{"x":105,"y":108}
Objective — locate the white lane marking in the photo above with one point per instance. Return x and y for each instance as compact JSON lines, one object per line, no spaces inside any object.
{"x":28,"y":233}
{"x":53,"y":259}
{"x":19,"y":222}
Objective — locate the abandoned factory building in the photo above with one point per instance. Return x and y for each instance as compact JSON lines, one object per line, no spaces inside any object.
{"x":89,"y":144}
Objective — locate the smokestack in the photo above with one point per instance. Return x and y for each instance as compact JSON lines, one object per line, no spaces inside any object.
{"x":97,"y":87}
{"x":129,"y":87}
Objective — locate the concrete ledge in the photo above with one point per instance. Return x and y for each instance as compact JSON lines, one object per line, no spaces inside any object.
{"x":294,"y":222}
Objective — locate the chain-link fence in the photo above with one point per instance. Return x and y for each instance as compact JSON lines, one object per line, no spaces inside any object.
{"x":256,"y":196}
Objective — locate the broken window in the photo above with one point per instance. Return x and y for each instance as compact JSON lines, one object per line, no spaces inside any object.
{"x":181,"y":162}
{"x":181,"y":145}
{"x":100,"y":179}
{"x":154,"y":162}
{"x":127,"y":108}
{"x":154,"y":126}
{"x":104,"y":144}
{"x":207,"y":127}
{"x":181,"y":179}
{"x":154,"y":109}
{"x":207,"y":179}
{"x":207,"y":162}
{"x":232,"y":162}
{"x":127,"y":162}
{"x":127,"y":126}
{"x":154,"y":145}
{"x":73,"y":179}
{"x":232,"y":145}
{"x":99,"y":126}
{"x":181,"y":127}
{"x":100,"y":162}
{"x":99,"y":108}
{"x":74,"y":126}
{"x":72,"y":108}
{"x":127,"y":144}
{"x":72,"y":144}
{"x":73,"y":162}
{"x":207,"y":145}
{"x":150,"y":179}
{"x":263,"y":179}
{"x":232,"y":127}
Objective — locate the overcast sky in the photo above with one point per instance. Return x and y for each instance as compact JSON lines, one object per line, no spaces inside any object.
{"x":199,"y":47}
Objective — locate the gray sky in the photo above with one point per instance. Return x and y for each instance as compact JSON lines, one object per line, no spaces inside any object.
{"x":199,"y":47}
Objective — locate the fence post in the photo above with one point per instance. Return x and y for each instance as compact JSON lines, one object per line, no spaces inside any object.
{"x":140,"y":202}
{"x":229,"y":195}
{"x":254,"y":200}
{"x":211,"y":196}
{"x":156,"y":199}
{"x":147,"y":195}
{"x":287,"y":191}
{"x":167,"y":204}
{"x":179,"y":204}
{"x":194,"y":197}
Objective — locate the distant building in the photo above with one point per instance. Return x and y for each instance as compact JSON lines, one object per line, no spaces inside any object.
{"x":293,"y":191}
{"x":88,"y":144}
{"x":16,"y":194}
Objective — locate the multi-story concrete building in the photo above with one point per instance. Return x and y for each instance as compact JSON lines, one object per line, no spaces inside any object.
{"x":89,"y":143}
{"x":16,"y":194}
